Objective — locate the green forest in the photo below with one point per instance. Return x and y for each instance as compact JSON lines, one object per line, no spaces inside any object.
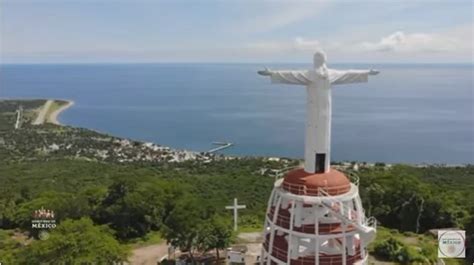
{"x":103,"y":206}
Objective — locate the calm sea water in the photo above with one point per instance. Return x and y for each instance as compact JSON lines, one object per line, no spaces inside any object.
{"x":408,"y":113}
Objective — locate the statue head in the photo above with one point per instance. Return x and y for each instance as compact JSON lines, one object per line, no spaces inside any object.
{"x":319,"y":59}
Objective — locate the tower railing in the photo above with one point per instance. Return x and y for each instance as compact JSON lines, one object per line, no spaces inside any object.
{"x":326,"y":259}
{"x":372,"y":222}
{"x":368,"y":222}
{"x":277,"y":252}
{"x":324,"y":228}
{"x":302,"y":189}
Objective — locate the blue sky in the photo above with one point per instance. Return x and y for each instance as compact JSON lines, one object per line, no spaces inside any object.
{"x":50,"y":31}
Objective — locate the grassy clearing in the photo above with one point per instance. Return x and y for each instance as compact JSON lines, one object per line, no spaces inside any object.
{"x":152,"y":238}
{"x":250,"y":229}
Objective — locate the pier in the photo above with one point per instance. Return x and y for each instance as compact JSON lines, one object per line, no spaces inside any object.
{"x":221,"y":146}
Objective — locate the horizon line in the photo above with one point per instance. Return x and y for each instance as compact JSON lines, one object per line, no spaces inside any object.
{"x":221,"y":62}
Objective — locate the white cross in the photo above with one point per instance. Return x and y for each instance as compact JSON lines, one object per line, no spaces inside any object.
{"x":235,"y":207}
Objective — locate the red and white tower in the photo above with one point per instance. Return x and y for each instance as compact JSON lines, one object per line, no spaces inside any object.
{"x":315,"y":214}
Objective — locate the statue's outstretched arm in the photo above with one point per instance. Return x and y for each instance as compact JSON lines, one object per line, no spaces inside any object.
{"x":373,"y":72}
{"x":265,"y":72}
{"x":287,"y":76}
{"x":338,"y":77}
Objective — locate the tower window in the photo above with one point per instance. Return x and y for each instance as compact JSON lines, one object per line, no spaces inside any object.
{"x":320,"y":163}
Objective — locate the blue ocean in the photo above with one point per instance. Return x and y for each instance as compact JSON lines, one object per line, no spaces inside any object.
{"x":408,"y":113}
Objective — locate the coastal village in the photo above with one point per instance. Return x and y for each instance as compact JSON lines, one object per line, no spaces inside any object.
{"x":41,"y":135}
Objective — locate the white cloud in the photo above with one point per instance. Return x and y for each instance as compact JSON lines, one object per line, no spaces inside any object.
{"x":400,"y":45}
{"x":298,"y":44}
{"x":302,"y":44}
{"x":277,"y":14}
{"x":414,"y":42}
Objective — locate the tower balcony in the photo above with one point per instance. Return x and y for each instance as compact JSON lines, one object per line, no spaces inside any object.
{"x":324,"y":228}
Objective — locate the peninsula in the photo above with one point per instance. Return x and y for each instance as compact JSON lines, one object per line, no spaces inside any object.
{"x":51,"y":110}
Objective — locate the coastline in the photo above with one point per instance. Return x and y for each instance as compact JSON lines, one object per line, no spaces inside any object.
{"x":53,"y":117}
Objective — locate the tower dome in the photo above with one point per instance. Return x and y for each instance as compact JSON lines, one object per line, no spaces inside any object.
{"x":301,"y":182}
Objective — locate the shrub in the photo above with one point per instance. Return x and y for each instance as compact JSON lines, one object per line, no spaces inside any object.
{"x":392,"y":249}
{"x":388,"y":249}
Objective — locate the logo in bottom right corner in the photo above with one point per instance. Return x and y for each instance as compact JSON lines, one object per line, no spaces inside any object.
{"x":451,"y":244}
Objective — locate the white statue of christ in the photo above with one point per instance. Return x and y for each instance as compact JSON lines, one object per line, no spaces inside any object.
{"x":318,"y":83}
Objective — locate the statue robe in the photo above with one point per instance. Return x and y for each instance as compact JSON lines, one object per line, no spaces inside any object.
{"x":318,"y":108}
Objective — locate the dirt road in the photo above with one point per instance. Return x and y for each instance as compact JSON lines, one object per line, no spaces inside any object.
{"x":149,"y":255}
{"x":40,"y":119}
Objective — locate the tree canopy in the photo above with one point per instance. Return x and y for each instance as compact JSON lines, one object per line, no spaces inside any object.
{"x":194,"y":226}
{"x":75,"y":242}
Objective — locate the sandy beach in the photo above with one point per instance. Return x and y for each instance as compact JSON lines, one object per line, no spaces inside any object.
{"x":53,"y":117}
